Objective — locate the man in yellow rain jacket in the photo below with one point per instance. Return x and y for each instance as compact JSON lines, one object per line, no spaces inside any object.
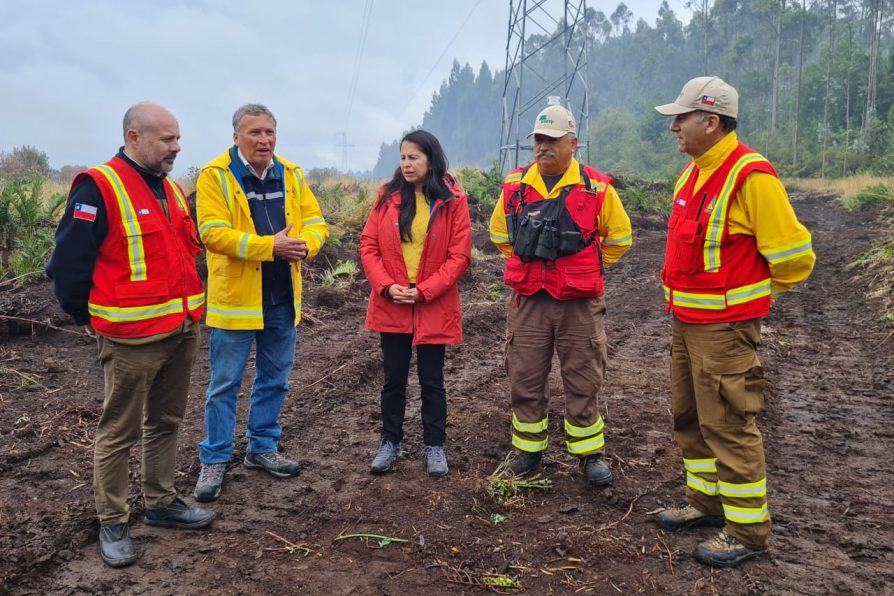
{"x":259,"y":221}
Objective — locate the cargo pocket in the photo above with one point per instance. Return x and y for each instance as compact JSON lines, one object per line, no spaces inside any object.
{"x":740,"y":383}
{"x":506,"y":346}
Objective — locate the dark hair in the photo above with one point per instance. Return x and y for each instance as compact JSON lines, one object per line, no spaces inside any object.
{"x":728,"y":123}
{"x":434,"y":187}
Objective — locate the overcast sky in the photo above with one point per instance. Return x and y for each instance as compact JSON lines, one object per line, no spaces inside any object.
{"x":70,"y":69}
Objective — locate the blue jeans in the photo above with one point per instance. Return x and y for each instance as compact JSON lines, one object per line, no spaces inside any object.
{"x":275,"y":357}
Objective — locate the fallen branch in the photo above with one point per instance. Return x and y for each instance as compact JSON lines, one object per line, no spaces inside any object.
{"x":291,"y":547}
{"x":46,"y":324}
{"x":329,"y":374}
{"x":382,"y":540}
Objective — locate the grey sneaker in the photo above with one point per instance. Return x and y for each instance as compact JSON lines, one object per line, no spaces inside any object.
{"x":210,"y":480}
{"x":435,"y":460}
{"x":385,"y":457}
{"x":272,"y":463}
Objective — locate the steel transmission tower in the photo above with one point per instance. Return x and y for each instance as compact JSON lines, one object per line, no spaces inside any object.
{"x":529,"y":84}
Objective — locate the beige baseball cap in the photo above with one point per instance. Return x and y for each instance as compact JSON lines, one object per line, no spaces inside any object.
{"x":555,"y":121}
{"x":709,"y":94}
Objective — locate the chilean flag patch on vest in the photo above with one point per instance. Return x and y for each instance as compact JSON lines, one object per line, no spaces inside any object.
{"x":85,"y":212}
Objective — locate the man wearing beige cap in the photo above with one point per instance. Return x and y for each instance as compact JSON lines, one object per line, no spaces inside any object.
{"x":560,"y":223}
{"x":733,"y":245}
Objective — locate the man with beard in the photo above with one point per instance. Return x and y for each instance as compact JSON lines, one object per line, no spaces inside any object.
{"x":124,"y":268}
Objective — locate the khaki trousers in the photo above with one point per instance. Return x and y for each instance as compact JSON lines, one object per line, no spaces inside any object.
{"x":539,"y":325}
{"x":145,"y":394}
{"x":716,"y":390}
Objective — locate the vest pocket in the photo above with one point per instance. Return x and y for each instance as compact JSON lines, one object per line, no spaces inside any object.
{"x":689,"y":236}
{"x":577,"y":282}
{"x":141,"y":292}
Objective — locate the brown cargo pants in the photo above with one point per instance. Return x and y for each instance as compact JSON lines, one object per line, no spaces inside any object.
{"x":537,"y":326}
{"x":716,"y":391}
{"x":145,"y":394}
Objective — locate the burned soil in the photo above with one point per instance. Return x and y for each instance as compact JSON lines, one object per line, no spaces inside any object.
{"x":827,"y":431}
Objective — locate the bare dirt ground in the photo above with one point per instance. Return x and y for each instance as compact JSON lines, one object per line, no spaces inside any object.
{"x":827,"y":431}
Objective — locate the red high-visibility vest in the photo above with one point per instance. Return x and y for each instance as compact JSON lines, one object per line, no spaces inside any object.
{"x":709,"y":274}
{"x":574,"y":276}
{"x":144,"y":281}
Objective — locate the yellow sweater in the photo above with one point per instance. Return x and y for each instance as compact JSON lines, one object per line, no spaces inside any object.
{"x":413,"y":249}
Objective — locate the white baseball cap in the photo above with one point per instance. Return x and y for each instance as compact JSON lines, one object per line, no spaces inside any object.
{"x":555,"y":121}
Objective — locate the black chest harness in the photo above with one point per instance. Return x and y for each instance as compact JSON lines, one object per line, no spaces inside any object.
{"x":544,"y":230}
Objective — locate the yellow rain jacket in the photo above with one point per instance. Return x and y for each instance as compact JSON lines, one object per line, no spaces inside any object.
{"x":235,"y":250}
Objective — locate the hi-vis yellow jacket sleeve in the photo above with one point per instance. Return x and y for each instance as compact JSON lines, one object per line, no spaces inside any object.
{"x":613,"y":227}
{"x":763,"y":210}
{"x":499,"y":231}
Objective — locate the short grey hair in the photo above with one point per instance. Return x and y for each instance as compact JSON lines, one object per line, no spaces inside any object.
{"x":251,"y":109}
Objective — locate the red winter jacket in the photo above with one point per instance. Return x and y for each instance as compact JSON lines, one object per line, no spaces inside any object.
{"x":446,"y":254}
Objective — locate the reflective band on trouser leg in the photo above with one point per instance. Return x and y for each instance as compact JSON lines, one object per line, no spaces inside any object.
{"x":585,"y":439}
{"x":701,"y":485}
{"x":747,"y":490}
{"x":746,"y":515}
{"x":525,"y":445}
{"x":529,"y":436}
{"x":701,"y":475}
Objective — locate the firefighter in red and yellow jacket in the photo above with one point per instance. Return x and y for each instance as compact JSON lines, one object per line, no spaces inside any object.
{"x":560,"y":223}
{"x":733,"y":245}
{"x":124,"y":268}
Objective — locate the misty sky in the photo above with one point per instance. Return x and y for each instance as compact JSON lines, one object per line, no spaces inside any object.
{"x":70,"y":69}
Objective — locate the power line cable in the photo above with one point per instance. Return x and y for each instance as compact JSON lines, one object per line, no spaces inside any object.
{"x":358,"y":57}
{"x":441,"y":57}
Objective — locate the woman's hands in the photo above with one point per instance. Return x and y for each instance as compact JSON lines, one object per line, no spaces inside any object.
{"x":404,"y":295}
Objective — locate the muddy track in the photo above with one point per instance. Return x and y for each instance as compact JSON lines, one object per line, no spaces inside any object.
{"x":827,"y":430}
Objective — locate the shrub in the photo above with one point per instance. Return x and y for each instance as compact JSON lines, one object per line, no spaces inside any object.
{"x":871,"y":197}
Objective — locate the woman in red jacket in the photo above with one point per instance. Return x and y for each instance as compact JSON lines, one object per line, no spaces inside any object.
{"x":415,"y":246}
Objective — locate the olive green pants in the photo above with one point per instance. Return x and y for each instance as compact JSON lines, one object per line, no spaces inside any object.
{"x":145,"y":395}
{"x":717,"y":388}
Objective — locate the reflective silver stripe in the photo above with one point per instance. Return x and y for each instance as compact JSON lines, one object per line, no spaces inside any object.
{"x":701,"y":465}
{"x":528,"y":427}
{"x":717,"y":221}
{"x":587,"y":445}
{"x":584,"y":431}
{"x":684,"y":177}
{"x":746,"y":515}
{"x":254,"y":196}
{"x":708,"y":302}
{"x":788,"y":253}
{"x":748,"y":293}
{"x":234,"y":313}
{"x":242,"y":249}
{"x":749,"y":489}
{"x":124,"y":314}
{"x":530,"y":446}
{"x":700,"y":484}
{"x":312,"y":220}
{"x":195,"y":301}
{"x":213,"y":224}
{"x":622,"y":240}
{"x":225,"y":187}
